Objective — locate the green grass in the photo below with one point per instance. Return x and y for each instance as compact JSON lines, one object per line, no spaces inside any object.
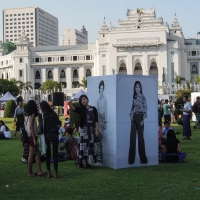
{"x":165,"y":181}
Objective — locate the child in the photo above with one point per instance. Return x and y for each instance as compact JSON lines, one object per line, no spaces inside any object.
{"x":61,"y":131}
{"x":67,"y":122}
{"x":68,"y":143}
{"x":166,"y":128}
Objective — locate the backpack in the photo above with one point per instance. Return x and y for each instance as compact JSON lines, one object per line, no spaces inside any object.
{"x":23,"y":136}
{"x":73,"y":153}
{"x":194,"y":108}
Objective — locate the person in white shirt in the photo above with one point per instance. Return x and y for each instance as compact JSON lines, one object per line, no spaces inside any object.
{"x":187,"y":110}
{"x":4,"y":131}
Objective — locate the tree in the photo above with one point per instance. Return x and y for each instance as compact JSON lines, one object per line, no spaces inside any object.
{"x":182,"y":93}
{"x":22,"y":86}
{"x":9,"y":47}
{"x":83,"y":83}
{"x":50,"y":86}
{"x":197,"y":79}
{"x":178,"y":79}
{"x":10,"y":108}
{"x":8,"y":86}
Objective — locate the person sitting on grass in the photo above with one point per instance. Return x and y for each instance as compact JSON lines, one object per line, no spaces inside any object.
{"x":172,"y":148}
{"x":68,"y":143}
{"x":166,"y":128}
{"x":4,"y":131}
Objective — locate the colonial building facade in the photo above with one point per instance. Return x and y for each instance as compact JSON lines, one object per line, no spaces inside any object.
{"x":141,"y":45}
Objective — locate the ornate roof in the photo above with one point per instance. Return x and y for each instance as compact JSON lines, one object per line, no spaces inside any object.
{"x":23,"y":39}
{"x":175,"y":24}
{"x":104,"y":26}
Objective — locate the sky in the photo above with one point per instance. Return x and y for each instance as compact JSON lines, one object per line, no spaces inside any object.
{"x":75,"y":13}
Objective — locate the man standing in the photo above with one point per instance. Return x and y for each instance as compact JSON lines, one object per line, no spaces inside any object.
{"x":166,"y":111}
{"x":196,"y":110}
{"x":19,"y":117}
{"x":187,"y":110}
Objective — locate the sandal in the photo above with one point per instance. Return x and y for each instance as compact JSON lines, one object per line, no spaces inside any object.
{"x":80,"y":166}
{"x":88,"y":166}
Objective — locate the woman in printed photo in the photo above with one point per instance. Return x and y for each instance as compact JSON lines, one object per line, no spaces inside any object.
{"x":138,"y":114}
{"x":102,"y":117}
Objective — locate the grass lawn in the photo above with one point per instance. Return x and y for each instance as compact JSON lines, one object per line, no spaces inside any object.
{"x":166,"y":181}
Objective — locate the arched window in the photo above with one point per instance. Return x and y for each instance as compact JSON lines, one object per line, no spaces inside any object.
{"x":2,"y":76}
{"x":50,"y":75}
{"x":75,"y":73}
{"x":7,"y":75}
{"x":37,"y":75}
{"x":122,"y":68}
{"x":138,"y":68}
{"x":194,"y":69}
{"x":153,"y":69}
{"x":62,"y":74}
{"x":88,"y":72}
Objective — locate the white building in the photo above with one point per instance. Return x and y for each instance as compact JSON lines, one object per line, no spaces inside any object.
{"x":141,"y":44}
{"x":74,"y":37}
{"x":40,"y":27}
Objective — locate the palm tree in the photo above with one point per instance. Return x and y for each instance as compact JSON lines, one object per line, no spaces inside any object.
{"x":27,"y":86}
{"x":178,"y":79}
{"x":197,"y":79}
{"x":83,"y":83}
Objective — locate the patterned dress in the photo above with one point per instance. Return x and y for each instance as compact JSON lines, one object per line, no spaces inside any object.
{"x":86,"y":144}
{"x":102,"y":108}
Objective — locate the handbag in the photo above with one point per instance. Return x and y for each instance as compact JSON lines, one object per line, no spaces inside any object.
{"x":13,"y":125}
{"x":42,"y":142}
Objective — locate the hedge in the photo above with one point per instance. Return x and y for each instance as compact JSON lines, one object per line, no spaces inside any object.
{"x":10,"y":109}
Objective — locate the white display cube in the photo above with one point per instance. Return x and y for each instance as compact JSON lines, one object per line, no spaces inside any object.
{"x":118,"y":94}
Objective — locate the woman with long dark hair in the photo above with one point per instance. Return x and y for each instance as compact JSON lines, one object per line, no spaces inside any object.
{"x":4,"y":131}
{"x":51,"y":122}
{"x":31,"y":129}
{"x":138,"y":114}
{"x":88,"y":129}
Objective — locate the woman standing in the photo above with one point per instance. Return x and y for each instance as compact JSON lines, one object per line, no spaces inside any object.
{"x":138,"y":114}
{"x":31,"y":129}
{"x":102,"y":117}
{"x":19,"y":117}
{"x":51,"y":122}
{"x":88,"y":129}
{"x":4,"y":131}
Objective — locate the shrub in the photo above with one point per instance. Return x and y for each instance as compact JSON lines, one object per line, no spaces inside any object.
{"x":74,"y":117}
{"x":10,"y":109}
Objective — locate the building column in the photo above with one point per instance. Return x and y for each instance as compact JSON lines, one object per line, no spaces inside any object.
{"x":81,"y":73}
{"x":56,"y":74}
{"x":43,"y":75}
{"x":69,"y":77}
{"x":145,"y":66}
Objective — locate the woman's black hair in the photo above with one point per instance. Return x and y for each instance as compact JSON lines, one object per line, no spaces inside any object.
{"x":171,"y":134}
{"x":134,"y":94}
{"x":101,"y":84}
{"x":3,"y":124}
{"x":83,"y":108}
{"x":45,"y":107}
{"x":31,"y":108}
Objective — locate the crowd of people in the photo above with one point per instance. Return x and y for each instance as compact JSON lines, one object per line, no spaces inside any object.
{"x":82,"y":137}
